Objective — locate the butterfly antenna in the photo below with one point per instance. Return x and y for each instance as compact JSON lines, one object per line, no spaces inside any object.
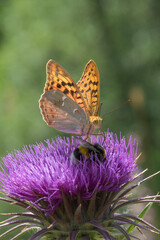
{"x":100,"y":108}
{"x":128,"y":101}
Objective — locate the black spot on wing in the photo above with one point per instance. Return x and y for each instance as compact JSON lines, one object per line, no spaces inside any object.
{"x":65,"y":91}
{"x":58,"y":85}
{"x":89,"y":89}
{"x":63,"y":83}
{"x":70,"y":84}
{"x":93,"y":91}
{"x":72,"y":92}
{"x":94,"y":83}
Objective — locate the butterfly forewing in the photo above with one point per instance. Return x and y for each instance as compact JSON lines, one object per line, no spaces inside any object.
{"x":58,"y":78}
{"x":89,"y":86}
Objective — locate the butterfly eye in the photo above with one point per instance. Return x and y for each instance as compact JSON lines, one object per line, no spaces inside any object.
{"x":95,"y":122}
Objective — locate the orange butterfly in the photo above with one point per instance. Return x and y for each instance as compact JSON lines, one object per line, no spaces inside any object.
{"x":70,"y":107}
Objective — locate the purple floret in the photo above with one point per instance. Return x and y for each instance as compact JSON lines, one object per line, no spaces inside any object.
{"x":39,"y":173}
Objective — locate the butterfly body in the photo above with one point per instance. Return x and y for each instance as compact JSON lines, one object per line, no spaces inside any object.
{"x":70,"y":107}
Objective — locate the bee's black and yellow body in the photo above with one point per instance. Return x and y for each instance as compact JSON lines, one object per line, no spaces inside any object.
{"x":87,"y":150}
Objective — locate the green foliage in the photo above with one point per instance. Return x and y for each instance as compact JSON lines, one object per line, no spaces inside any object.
{"x":122,"y":37}
{"x":141,"y":215}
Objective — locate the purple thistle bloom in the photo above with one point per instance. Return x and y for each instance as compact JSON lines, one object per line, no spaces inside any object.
{"x":64,"y":196}
{"x":42,"y":172}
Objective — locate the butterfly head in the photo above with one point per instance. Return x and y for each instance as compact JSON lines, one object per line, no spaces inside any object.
{"x":96,"y":121}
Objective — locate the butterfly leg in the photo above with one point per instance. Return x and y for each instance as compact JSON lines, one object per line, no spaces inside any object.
{"x":100,"y":134}
{"x":71,"y":139}
{"x":103,"y":134}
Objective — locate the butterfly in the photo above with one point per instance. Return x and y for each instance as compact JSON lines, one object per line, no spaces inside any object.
{"x":70,"y":107}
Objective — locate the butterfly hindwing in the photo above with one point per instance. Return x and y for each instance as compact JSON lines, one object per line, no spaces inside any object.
{"x":62,"y":113}
{"x":89,"y":86}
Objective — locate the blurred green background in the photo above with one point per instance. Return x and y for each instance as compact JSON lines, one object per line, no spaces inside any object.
{"x":122,"y":37}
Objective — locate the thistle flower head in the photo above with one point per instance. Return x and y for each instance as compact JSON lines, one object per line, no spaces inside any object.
{"x":67,"y":199}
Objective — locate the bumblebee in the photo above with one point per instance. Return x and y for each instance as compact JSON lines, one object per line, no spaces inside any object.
{"x":86,"y":149}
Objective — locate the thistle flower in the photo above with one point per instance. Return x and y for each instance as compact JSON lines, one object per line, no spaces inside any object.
{"x":64,"y":200}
